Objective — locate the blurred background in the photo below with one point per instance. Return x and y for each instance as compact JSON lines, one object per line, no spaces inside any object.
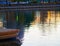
{"x":37,"y":27}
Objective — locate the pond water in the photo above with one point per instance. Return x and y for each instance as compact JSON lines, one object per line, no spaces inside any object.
{"x":44,"y":30}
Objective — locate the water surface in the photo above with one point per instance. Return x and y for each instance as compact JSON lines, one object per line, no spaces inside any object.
{"x":44,"y":30}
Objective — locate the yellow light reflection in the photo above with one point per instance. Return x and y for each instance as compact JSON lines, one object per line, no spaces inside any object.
{"x":49,"y":16}
{"x":37,"y":18}
{"x":53,"y":19}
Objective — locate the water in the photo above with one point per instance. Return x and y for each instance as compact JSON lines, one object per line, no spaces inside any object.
{"x":44,"y":30}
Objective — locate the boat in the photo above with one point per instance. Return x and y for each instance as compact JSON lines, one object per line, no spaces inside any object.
{"x":8,"y":33}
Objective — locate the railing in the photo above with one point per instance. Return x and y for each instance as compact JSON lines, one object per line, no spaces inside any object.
{"x":30,"y":7}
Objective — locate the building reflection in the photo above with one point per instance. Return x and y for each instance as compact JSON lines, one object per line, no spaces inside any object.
{"x":47,"y":20}
{"x":44,"y":31}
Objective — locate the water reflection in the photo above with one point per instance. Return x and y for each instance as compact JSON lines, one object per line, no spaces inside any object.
{"x":9,"y":42}
{"x":44,"y":30}
{"x":46,"y":20}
